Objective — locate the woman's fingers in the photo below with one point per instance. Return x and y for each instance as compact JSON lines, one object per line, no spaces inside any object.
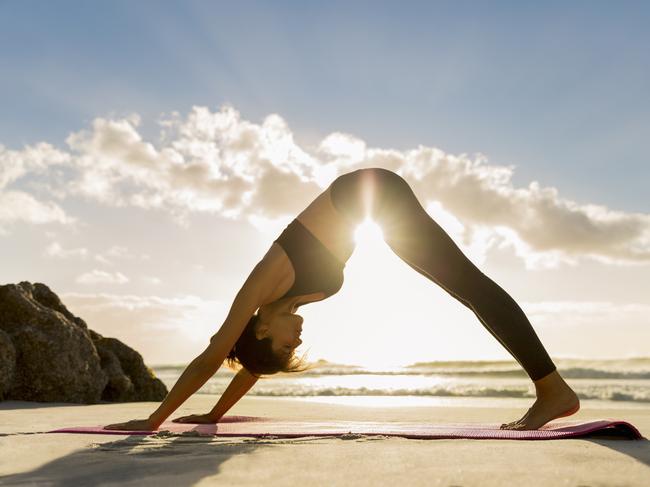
{"x":117,"y":426}
{"x":194,"y":418}
{"x":185,"y":419}
{"x":133,"y":425}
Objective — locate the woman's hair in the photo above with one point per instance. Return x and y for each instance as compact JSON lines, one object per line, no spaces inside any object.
{"x":257,"y":355}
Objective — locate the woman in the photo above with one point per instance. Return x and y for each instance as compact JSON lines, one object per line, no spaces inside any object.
{"x":305,"y":264}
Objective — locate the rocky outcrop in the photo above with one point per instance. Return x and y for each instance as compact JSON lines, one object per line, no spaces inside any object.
{"x":7,"y":363}
{"x":48,"y":354}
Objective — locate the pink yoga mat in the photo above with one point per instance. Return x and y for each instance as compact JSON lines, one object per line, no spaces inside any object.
{"x":277,"y":428}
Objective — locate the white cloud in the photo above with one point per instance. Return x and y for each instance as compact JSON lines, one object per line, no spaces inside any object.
{"x":32,"y":159}
{"x":217,"y":162}
{"x":118,"y":251}
{"x":162,"y":329}
{"x":102,"y":277}
{"x":151,"y":280}
{"x":343,"y":146}
{"x":54,"y":249}
{"x":20,"y":206}
{"x":592,"y":313}
{"x":103,"y":260}
{"x":114,"y":252}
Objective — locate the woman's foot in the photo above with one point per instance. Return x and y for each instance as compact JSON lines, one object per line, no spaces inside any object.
{"x":555,"y":399}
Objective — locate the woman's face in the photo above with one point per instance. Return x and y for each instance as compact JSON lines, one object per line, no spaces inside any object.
{"x":284,"y":329}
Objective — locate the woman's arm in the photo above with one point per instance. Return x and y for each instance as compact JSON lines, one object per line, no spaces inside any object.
{"x":193,"y":377}
{"x":207,"y":363}
{"x":254,"y":293}
{"x":202,"y":367}
{"x":238,"y":387}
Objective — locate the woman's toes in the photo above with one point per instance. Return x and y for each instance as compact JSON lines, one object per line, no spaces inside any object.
{"x":511,"y":422}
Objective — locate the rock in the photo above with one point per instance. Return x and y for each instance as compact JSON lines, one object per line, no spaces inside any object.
{"x":7,"y":363}
{"x":56,"y":357}
{"x":129,"y":379}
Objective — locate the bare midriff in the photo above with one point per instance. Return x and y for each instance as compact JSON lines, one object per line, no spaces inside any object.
{"x":324,"y":222}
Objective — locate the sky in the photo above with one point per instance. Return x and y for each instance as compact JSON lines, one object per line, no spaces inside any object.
{"x":150,"y":153}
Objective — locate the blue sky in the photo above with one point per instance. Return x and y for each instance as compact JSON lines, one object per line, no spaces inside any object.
{"x":557,"y":88}
{"x":133,"y":230}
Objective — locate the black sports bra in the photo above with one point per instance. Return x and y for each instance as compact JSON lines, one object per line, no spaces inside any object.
{"x":314,"y":265}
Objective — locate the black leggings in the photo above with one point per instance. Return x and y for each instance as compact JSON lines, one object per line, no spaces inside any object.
{"x":420,"y":242}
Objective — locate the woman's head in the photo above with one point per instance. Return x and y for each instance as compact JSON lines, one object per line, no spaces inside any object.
{"x":267,"y":344}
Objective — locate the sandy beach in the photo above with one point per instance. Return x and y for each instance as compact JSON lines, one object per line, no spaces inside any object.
{"x":30,"y":457}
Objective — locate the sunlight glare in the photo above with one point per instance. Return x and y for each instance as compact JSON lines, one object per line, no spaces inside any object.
{"x":368,"y":233}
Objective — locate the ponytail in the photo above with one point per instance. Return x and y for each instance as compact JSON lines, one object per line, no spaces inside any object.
{"x":232,"y":355}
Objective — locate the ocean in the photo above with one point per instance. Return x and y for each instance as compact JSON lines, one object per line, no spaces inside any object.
{"x":621,"y":383}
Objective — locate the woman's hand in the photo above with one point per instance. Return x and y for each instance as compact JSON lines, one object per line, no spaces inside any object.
{"x":133,"y":425}
{"x":196,"y":419}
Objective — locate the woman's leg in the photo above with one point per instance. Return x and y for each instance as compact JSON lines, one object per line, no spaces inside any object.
{"x":418,"y":240}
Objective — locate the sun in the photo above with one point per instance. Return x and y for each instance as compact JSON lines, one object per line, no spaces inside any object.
{"x":368,"y":234}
